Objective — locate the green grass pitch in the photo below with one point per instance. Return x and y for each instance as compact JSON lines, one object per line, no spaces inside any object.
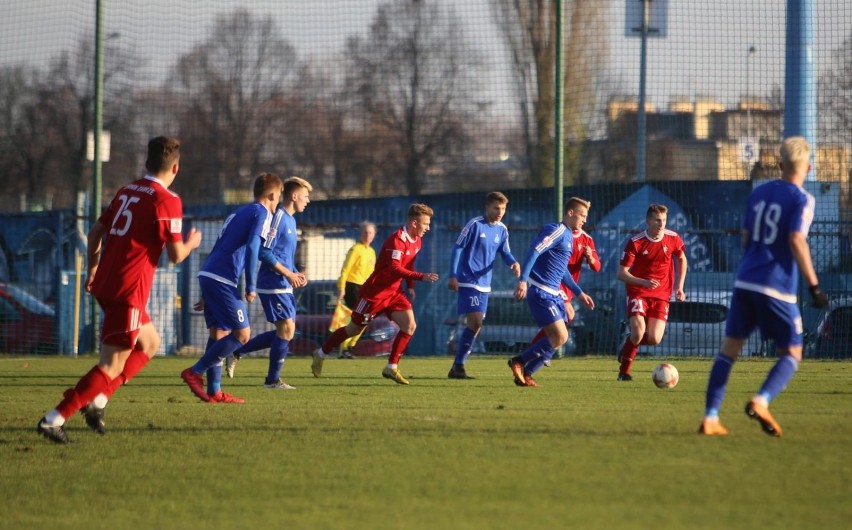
{"x":354,"y":450}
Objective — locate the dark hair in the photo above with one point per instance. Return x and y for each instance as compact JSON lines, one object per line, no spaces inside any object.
{"x":163,"y":153}
{"x":265,"y":183}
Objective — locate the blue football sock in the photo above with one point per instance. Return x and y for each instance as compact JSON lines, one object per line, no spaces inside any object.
{"x":465,"y":344}
{"x":536,"y":350}
{"x":781,"y":374}
{"x":277,"y":355}
{"x":536,"y":364}
{"x":214,"y":378}
{"x":257,"y":343}
{"x":214,"y":355}
{"x":717,"y":384}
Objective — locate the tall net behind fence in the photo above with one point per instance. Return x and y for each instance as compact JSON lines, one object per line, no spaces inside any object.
{"x":382,"y":102}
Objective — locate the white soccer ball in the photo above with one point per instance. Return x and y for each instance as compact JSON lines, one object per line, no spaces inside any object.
{"x":665,"y":375}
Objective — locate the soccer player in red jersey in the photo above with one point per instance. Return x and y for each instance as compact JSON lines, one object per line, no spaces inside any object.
{"x":125,"y":244}
{"x":381,"y":292}
{"x":647,"y":269}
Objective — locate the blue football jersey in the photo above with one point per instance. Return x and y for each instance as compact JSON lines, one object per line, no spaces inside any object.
{"x":282,"y":241}
{"x":775,"y":210}
{"x":480,"y":242}
{"x":553,"y":244}
{"x":227,"y":260}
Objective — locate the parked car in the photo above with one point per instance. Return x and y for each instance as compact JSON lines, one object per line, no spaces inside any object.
{"x":315,"y":305}
{"x":833,"y":336}
{"x":27,"y":325}
{"x":507,"y":328}
{"x":696,"y":326}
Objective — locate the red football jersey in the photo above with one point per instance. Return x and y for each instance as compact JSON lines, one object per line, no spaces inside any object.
{"x":652,"y":260}
{"x":142,"y":217}
{"x":578,"y":257}
{"x":395,"y":262}
{"x":578,"y":254}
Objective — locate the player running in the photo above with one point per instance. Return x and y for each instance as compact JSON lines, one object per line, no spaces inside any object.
{"x":124,"y":244}
{"x":775,"y":230}
{"x":381,"y":292}
{"x":236,"y":250}
{"x":545,"y":267}
{"x":647,"y":269}
{"x":471,"y":265}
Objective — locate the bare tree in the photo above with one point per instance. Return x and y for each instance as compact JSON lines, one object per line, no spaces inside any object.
{"x":528,"y":28}
{"x":413,"y":82}
{"x":47,"y":114}
{"x":235,"y":86}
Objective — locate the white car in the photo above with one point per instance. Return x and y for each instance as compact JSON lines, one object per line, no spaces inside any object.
{"x":696,"y":327}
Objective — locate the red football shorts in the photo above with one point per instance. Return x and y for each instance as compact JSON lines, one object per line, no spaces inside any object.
{"x":648,"y":308}
{"x":122,"y":324}
{"x":386,"y":302}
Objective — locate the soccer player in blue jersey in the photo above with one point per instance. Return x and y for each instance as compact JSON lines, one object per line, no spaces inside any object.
{"x":235,"y":251}
{"x":275,"y":284}
{"x":775,"y":229}
{"x":545,"y":267}
{"x":471,"y":265}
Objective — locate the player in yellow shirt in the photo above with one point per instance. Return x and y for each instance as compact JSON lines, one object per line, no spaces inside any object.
{"x":359,"y":264}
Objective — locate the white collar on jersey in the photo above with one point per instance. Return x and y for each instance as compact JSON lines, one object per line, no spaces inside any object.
{"x":155,"y":179}
{"x":662,"y":233}
{"x":408,"y":237}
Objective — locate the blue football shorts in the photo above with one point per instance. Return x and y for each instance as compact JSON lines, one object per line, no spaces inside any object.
{"x":471,"y":301}
{"x":546,"y":308}
{"x":223,"y":307}
{"x":777,"y":320}
{"x":278,"y":306}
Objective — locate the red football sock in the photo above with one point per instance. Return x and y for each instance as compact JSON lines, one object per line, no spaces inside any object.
{"x":398,"y":347}
{"x":134,"y":364}
{"x":88,"y":387}
{"x":644,"y":341}
{"x":628,"y":353}
{"x":335,"y":339}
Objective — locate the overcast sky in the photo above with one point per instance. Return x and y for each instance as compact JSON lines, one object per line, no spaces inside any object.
{"x":704,"y":54}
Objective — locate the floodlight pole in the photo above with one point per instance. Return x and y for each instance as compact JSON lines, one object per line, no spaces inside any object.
{"x":559,"y":172}
{"x":799,"y":77}
{"x":96,"y":205}
{"x":641,"y":125}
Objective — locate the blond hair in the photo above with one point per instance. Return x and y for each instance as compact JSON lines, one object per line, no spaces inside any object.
{"x":573,"y":202}
{"x":795,"y":150}
{"x":294,"y":183}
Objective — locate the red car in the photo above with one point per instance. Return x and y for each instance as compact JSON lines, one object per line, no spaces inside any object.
{"x":27,"y":325}
{"x":315,"y":305}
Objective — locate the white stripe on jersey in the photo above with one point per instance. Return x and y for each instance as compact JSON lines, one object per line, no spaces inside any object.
{"x":269,"y":236}
{"x":217,"y":278}
{"x":548,"y":241}
{"x":768,"y":291}
{"x":283,"y":290}
{"x":480,"y":288}
{"x":464,"y":231}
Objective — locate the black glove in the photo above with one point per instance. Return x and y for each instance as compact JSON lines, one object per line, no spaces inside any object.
{"x":818,"y":297}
